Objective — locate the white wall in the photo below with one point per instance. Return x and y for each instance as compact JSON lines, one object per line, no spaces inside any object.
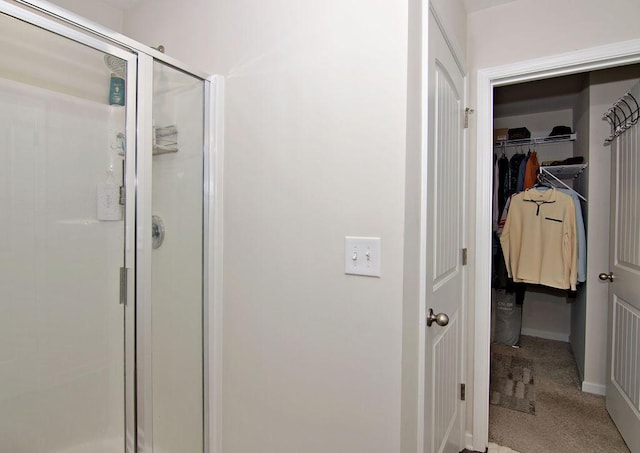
{"x":314,"y":151}
{"x":315,"y":142}
{"x":96,"y":11}
{"x":316,"y":97}
{"x":526,"y":29}
{"x":581,"y":114}
{"x":453,"y":15}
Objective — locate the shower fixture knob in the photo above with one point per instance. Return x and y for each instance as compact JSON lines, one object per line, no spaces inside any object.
{"x":157,"y":231}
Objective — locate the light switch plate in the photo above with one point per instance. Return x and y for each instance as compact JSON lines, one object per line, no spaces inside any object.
{"x":362,"y":256}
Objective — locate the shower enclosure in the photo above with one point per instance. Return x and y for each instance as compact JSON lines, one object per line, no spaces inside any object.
{"x":106,"y":199}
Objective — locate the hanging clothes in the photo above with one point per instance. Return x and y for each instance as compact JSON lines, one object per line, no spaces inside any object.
{"x":503,"y":217}
{"x":521,"y":172}
{"x":539,"y":240}
{"x":503,"y":178}
{"x":580,"y":231}
{"x":514,"y":167}
{"x":531,"y":171}
{"x":496,"y":183}
{"x":580,"y":235}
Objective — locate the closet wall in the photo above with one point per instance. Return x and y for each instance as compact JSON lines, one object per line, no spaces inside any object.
{"x":578,"y":101}
{"x":589,"y":314}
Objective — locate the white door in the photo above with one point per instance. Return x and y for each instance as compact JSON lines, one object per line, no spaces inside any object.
{"x":445,"y":167}
{"x":623,"y":374}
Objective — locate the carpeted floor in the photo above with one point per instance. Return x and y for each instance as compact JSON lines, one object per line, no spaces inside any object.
{"x":567,"y":420}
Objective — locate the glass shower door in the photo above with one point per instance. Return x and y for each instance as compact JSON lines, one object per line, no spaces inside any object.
{"x":177,"y":308}
{"x":64,"y":129}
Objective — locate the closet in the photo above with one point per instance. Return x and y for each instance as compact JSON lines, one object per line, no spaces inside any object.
{"x":577,"y":102}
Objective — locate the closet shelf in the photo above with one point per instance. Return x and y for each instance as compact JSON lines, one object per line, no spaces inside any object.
{"x":564,"y":171}
{"x":557,"y":173}
{"x":537,"y":141}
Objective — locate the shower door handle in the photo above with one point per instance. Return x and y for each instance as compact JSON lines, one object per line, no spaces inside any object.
{"x":123,"y":286}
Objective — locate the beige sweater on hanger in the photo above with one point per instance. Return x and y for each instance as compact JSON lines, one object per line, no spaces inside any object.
{"x":539,"y":239}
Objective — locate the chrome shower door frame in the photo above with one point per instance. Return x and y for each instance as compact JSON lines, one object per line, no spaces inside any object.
{"x":137,"y":236}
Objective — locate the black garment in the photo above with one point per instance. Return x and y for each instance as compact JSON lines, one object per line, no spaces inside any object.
{"x":500,"y":278}
{"x":514,"y":168}
{"x":503,"y":168}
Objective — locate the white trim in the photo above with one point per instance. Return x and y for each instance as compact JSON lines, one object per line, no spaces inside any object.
{"x":601,"y":57}
{"x":547,"y":335}
{"x":131,"y":150}
{"x":584,"y":60}
{"x":208,"y":268}
{"x":464,"y":307}
{"x":63,"y":30}
{"x":468,"y":440}
{"x":452,"y":43}
{"x":144,"y":294}
{"x":482,"y":328}
{"x":596,"y":389}
{"x":422,"y":246}
{"x":104,"y":33}
{"x":214,"y":260}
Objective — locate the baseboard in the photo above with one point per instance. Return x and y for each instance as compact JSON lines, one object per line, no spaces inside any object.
{"x":558,"y":336}
{"x":597,"y":389}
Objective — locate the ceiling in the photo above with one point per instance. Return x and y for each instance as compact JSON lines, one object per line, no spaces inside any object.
{"x":476,"y":5}
{"x":470,"y":5}
{"x":122,"y":4}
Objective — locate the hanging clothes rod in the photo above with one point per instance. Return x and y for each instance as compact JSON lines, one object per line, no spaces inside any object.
{"x":624,"y":113}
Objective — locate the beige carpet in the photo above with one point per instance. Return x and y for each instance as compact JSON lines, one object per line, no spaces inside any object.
{"x":567,"y":420}
{"x":494,"y":448}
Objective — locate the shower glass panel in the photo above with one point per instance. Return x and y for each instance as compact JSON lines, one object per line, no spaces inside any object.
{"x":62,"y":244}
{"x":177,"y":261}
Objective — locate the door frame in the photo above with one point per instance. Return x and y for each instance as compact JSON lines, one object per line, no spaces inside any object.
{"x":590,"y":59}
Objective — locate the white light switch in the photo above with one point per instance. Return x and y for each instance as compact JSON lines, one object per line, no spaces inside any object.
{"x":362,"y":256}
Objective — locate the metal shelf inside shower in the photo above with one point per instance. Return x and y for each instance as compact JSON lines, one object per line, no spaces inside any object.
{"x":165,"y":140}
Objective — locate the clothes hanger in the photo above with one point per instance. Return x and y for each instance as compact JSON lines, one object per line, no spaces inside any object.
{"x":543,"y":174}
{"x":541,"y":181}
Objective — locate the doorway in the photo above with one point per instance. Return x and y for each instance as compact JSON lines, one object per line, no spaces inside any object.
{"x":562,"y":338}
{"x":584,"y":61}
